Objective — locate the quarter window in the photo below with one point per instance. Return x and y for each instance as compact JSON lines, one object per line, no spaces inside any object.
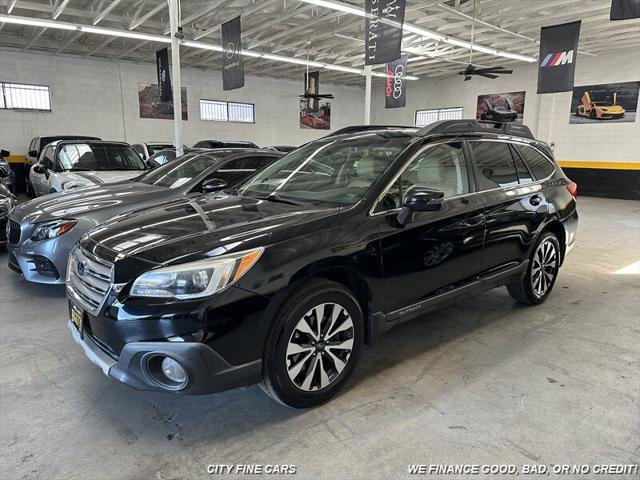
{"x":440,"y":167}
{"x":495,"y":165}
{"x":538,"y":163}
{"x":523,"y":172}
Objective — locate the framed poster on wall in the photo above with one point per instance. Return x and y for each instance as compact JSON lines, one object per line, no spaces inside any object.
{"x":605,"y":103}
{"x":501,"y":107}
{"x":152,"y":107}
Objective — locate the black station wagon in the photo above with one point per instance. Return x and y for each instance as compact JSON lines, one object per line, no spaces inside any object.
{"x":282,"y":279}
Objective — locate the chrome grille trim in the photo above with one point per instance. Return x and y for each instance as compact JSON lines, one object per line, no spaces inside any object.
{"x":91,"y":289}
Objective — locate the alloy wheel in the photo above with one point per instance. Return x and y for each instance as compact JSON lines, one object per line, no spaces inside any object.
{"x":544,"y":268}
{"x":319,"y":347}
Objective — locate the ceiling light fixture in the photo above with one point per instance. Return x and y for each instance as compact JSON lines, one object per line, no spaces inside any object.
{"x":36,"y":22}
{"x":125,"y":34}
{"x":408,"y":27}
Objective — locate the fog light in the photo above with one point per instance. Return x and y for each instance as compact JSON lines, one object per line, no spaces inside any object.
{"x":173,"y":370}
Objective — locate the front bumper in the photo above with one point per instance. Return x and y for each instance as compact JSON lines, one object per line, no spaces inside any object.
{"x":207,"y":371}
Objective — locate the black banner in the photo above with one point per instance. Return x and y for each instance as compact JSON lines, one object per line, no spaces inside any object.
{"x":382,"y":39}
{"x":557,"y":60}
{"x":232,"y":68}
{"x":395,"y":94}
{"x":624,"y":9}
{"x":164,"y":80}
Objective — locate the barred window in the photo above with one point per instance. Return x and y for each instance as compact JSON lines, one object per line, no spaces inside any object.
{"x":425,"y":117}
{"x":219,"y":111}
{"x":23,"y":96}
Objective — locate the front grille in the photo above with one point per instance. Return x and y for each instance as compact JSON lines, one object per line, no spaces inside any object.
{"x":88,"y":279}
{"x":13,"y":232}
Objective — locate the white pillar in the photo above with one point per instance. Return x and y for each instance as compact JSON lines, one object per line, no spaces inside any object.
{"x":175,"y":76}
{"x":367,"y":95}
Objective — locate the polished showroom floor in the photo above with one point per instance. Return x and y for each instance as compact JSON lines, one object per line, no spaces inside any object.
{"x":485,"y":381}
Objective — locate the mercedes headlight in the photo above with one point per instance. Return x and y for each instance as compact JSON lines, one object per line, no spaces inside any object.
{"x":6,"y":204}
{"x":195,"y":279}
{"x":71,"y":185}
{"x":47,"y":230}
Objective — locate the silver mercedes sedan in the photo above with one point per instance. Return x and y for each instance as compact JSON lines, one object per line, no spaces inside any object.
{"x":41,"y":232}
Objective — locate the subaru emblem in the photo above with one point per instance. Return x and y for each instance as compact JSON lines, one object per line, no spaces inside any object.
{"x":81,"y":268}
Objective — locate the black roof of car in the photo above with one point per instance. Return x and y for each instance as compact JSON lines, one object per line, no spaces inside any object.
{"x":90,"y":142}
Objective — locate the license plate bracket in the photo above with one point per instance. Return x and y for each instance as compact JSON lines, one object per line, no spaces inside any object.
{"x":77,"y":317}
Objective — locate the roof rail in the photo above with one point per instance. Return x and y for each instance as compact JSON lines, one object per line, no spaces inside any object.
{"x":476,"y":126}
{"x":365,"y":128}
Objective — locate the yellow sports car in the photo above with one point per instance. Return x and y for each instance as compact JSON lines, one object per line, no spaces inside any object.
{"x":599,"y":110}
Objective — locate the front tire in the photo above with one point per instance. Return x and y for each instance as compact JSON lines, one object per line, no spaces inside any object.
{"x":314,"y":344}
{"x":542,"y":272}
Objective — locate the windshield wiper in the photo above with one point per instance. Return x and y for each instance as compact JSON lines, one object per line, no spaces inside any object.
{"x":80,"y":169}
{"x":277,"y":198}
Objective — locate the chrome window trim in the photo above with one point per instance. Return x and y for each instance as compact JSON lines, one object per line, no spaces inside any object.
{"x":503,"y":140}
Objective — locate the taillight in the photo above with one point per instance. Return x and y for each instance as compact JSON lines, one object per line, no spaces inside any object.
{"x":573,"y":188}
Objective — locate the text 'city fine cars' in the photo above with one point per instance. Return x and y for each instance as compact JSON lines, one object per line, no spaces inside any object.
{"x":42,"y":232}
{"x":283,"y":279}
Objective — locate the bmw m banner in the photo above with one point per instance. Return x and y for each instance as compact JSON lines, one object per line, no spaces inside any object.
{"x":395,"y":93}
{"x":164,"y":80}
{"x":232,"y":68}
{"x":383,"y":30}
{"x":557,"y":60}
{"x":624,"y":9}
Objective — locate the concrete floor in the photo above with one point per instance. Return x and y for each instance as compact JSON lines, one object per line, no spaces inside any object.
{"x":483,"y":382}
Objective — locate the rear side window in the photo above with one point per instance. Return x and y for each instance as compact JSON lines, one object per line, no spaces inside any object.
{"x":495,"y":165}
{"x":538,"y":163}
{"x":523,"y":172}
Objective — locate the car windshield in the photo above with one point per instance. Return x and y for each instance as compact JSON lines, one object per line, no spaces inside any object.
{"x":156,"y":147}
{"x":99,"y":156}
{"x":179,"y":171}
{"x":333,"y":171}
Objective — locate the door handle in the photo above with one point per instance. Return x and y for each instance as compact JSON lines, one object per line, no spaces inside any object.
{"x":535,"y":200}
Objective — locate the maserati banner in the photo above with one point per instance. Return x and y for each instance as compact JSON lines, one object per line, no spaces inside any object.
{"x":395,"y":94}
{"x":164,"y":80}
{"x":383,"y":30}
{"x":557,"y":60}
{"x":232,"y":68}
{"x":624,"y":9}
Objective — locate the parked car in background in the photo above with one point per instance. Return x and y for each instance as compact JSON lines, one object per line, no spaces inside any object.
{"x":282,"y":279}
{"x":146,"y":150}
{"x":71,"y":164}
{"x":224,"y":144}
{"x":42,"y":231}
{"x":7,"y":202}
{"x":7,"y":178}
{"x":280,"y":148}
{"x":165,"y":156}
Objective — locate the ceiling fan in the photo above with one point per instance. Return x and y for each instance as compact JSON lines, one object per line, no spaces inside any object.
{"x":310,"y":88}
{"x":487,"y":72}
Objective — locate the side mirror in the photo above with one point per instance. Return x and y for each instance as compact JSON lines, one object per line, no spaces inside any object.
{"x":4,"y":171}
{"x":38,"y":169}
{"x":420,"y":199}
{"x":213,"y":185}
{"x":33,"y":153}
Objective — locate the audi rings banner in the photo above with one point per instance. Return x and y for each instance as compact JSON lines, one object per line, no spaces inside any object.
{"x":232,"y":68}
{"x":383,"y":30}
{"x":395,"y":94}
{"x":164,"y":80}
{"x":557,"y":59}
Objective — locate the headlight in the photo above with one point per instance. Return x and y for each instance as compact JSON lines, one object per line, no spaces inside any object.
{"x":6,"y":204}
{"x":71,"y":185}
{"x":195,"y":279}
{"x":45,"y":231}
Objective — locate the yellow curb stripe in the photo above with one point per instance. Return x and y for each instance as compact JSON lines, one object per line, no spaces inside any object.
{"x":600,"y":165}
{"x":16,"y":159}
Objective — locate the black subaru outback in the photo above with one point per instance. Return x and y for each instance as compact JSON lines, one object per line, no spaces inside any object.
{"x":282,"y":279}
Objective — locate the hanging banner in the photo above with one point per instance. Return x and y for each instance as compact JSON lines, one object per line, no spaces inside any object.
{"x":164,"y":80}
{"x":624,"y":9}
{"x":395,"y":94}
{"x":383,"y":30}
{"x":558,"y":51}
{"x":232,"y":68}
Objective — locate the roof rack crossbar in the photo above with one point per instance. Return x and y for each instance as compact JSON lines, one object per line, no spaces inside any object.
{"x":476,"y":126}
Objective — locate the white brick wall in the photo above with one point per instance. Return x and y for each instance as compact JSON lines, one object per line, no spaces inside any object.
{"x":97,"y":97}
{"x":547,"y":115}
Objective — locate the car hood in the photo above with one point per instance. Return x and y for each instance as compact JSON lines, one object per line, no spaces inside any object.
{"x":98,"y":177}
{"x":95,"y":201}
{"x":208,"y":225}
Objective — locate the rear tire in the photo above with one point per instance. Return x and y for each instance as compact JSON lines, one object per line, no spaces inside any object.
{"x":306,"y":362}
{"x":542,"y":272}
